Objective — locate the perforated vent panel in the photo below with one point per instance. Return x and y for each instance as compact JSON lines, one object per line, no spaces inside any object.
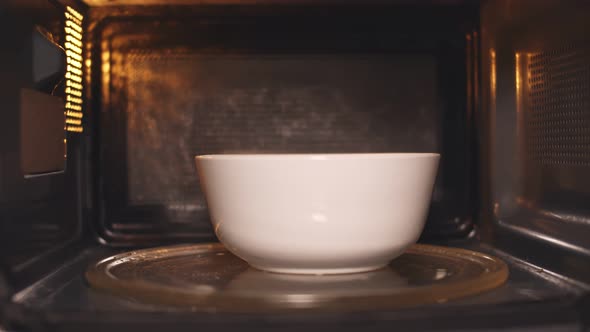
{"x":181,"y":106}
{"x":559,"y":120}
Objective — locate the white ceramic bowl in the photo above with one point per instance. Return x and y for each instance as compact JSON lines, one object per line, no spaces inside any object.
{"x":318,"y":213}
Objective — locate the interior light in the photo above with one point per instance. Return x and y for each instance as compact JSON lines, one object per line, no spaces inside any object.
{"x":74,"y":58}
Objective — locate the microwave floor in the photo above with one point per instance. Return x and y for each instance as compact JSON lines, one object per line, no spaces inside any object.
{"x":187,"y":286}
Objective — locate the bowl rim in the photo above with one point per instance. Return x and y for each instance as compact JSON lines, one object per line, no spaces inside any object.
{"x":317,"y":156}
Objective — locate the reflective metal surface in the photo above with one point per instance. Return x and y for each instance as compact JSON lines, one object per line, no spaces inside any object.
{"x":535,"y":132}
{"x":207,"y":277}
{"x":259,"y":80}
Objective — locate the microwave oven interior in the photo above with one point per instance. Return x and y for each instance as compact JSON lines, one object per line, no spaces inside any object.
{"x":501,"y":89}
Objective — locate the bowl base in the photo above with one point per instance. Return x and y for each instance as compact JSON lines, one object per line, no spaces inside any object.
{"x":320,"y":271}
{"x":200,"y":277}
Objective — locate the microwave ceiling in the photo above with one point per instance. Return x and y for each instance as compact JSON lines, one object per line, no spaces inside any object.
{"x":101,"y":3}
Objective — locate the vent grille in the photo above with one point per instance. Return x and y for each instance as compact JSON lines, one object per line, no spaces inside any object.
{"x":559,"y":94}
{"x":73,"y":45}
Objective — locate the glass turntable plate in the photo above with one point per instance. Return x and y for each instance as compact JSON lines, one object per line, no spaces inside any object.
{"x":207,"y":277}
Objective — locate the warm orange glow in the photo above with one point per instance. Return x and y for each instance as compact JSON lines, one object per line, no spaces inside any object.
{"x":73,"y":77}
{"x":73,"y":99}
{"x":72,"y":114}
{"x":72,"y":11}
{"x":522,"y":78}
{"x":493,"y":76}
{"x":74,"y":92}
{"x":74,"y":63}
{"x":76,"y":129}
{"x":74,"y":107}
{"x":74,"y":70}
{"x":74,"y":59}
{"x":106,"y":70}
{"x":518,"y":82}
{"x":106,"y":62}
{"x":106,"y":67}
{"x":77,"y":122}
{"x":74,"y":25}
{"x":72,"y":18}
{"x":74,"y":85}
{"x":73,"y":44}
{"x":74,"y":55}
{"x":73,"y":32}
{"x":529,"y":57}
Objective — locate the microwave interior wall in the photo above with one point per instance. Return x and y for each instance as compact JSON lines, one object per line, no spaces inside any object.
{"x":498,"y":88}
{"x":258,"y":81}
